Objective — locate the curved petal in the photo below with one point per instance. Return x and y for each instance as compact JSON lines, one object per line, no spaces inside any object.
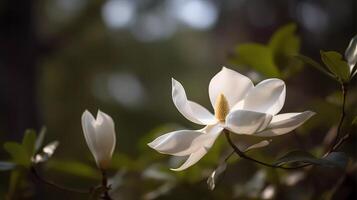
{"x":89,"y":132}
{"x":233,"y":85}
{"x":247,"y":122}
{"x":192,"y":159}
{"x":267,"y":97}
{"x":186,"y":142}
{"x":351,"y":53}
{"x":284,"y":123}
{"x":105,"y":138}
{"x":191,"y":110}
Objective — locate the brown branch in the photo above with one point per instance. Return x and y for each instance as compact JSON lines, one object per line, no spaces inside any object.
{"x":105,"y":186}
{"x":54,"y":185}
{"x":336,"y":142}
{"x":244,"y":156}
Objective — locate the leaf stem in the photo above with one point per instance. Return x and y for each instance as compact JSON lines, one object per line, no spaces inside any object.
{"x":54,"y":185}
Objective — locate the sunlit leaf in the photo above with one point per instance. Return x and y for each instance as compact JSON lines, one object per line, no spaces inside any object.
{"x":18,"y":153}
{"x":5,"y":166}
{"x":315,"y":64}
{"x":285,"y":41}
{"x":333,"y":60}
{"x":213,"y":178}
{"x":29,"y":141}
{"x":74,"y":168}
{"x":259,"y":57}
{"x":40,"y":138}
{"x":335,"y":159}
{"x":47,"y":152}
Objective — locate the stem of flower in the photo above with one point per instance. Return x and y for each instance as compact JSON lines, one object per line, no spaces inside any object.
{"x":54,"y":185}
{"x":105,"y":186}
{"x":337,"y":143}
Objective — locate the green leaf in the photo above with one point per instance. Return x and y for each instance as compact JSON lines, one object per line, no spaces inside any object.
{"x":285,"y":41}
{"x":74,"y":168}
{"x":354,"y":122}
{"x":40,"y":138}
{"x":259,"y":57}
{"x":338,"y":159}
{"x":28,"y":141}
{"x":333,"y":60}
{"x":5,"y":166}
{"x":315,"y":64}
{"x":18,"y":153}
{"x":334,"y":159}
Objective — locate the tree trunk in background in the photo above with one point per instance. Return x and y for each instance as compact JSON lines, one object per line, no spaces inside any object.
{"x":18,"y":64}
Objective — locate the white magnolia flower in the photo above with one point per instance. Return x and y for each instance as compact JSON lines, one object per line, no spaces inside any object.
{"x":100,"y":136}
{"x":238,"y":106}
{"x":351,"y":54}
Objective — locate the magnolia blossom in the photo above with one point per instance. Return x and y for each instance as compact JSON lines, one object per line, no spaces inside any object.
{"x":100,"y":136}
{"x":239,"y":107}
{"x":351,"y":54}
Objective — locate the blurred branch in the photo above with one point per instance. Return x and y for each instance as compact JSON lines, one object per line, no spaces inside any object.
{"x":54,"y":185}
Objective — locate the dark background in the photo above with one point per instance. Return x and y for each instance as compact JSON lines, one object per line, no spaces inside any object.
{"x":60,"y":57}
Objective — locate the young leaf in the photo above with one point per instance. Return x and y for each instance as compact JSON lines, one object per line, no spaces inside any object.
{"x":315,"y":64}
{"x":5,"y":166}
{"x":40,"y":138}
{"x":18,"y":153}
{"x":28,"y":142}
{"x":333,"y":60}
{"x":335,"y":159}
{"x":285,"y":41}
{"x":258,"y":57}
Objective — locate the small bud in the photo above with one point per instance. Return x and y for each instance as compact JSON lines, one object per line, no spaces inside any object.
{"x":100,"y":137}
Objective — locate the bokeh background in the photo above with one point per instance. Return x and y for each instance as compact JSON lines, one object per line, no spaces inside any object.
{"x":60,"y":57}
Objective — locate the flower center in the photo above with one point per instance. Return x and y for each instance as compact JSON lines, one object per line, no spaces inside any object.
{"x":221,"y":108}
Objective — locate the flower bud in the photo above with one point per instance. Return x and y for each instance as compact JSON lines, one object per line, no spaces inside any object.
{"x":99,"y":134}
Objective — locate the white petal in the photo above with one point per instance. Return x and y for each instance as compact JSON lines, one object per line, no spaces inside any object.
{"x":105,"y":138}
{"x":247,"y":122}
{"x":186,"y":142}
{"x":233,"y":85}
{"x":192,"y":159}
{"x":267,"y":97}
{"x":284,"y":123}
{"x":351,"y":53}
{"x":89,"y":132}
{"x":191,"y":110}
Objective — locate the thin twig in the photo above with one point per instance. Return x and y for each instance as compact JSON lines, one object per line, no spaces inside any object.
{"x":336,"y":142}
{"x":243,"y":155}
{"x":54,"y":185}
{"x":334,"y":146}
